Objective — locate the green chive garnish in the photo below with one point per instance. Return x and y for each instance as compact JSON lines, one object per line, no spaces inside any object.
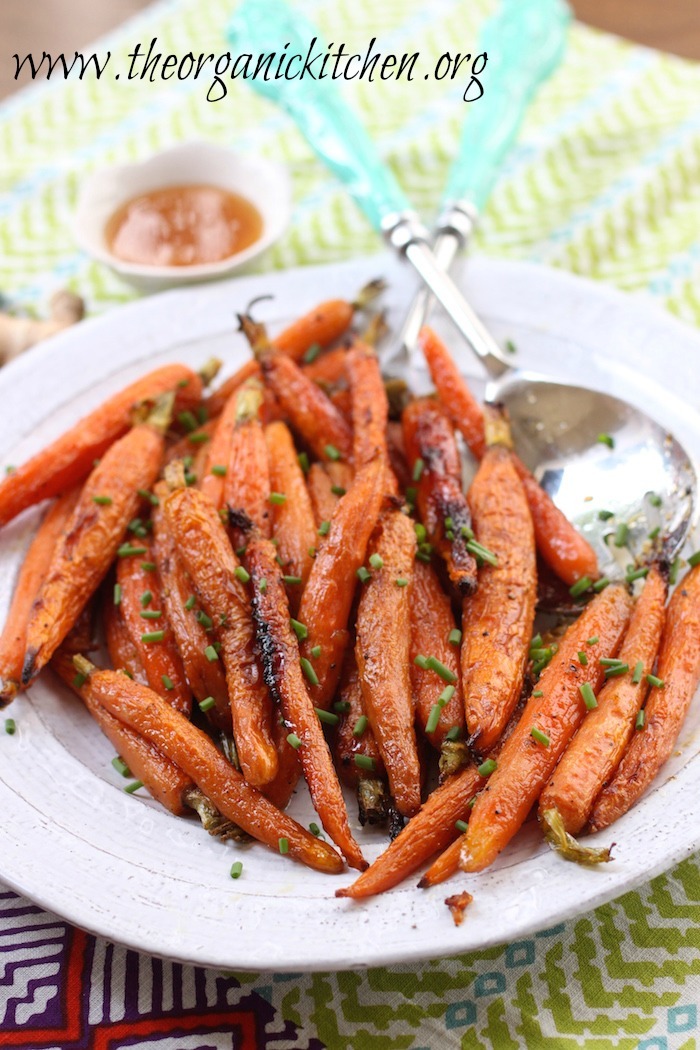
{"x":167,"y":682}
{"x":236,"y":869}
{"x":332,"y":452}
{"x":538,"y":693}
{"x":326,"y":716}
{"x":262,"y":586}
{"x":455,"y":637}
{"x":445,"y":673}
{"x":316,"y":652}
{"x":102,"y":501}
{"x":294,"y":741}
{"x":303,"y":461}
{"x":641,"y":719}
{"x":673,"y":571}
{"x":307,"y":668}
{"x":636,"y":574}
{"x":433,"y":718}
{"x":539,"y":736}
{"x":150,"y":496}
{"x":694,"y":559}
{"x":487,"y":767}
{"x":145,"y":598}
{"x":401,"y":582}
{"x":121,"y":766}
{"x":654,"y":533}
{"x":151,"y":614}
{"x":364,"y":762}
{"x":189,"y":604}
{"x":609,"y":661}
{"x":149,"y":566}
{"x":418,"y":469}
{"x":482,"y":552}
{"x":601,"y":584}
{"x":376,"y":561}
{"x":311,"y":353}
{"x":241,"y":574}
{"x":117,"y":594}
{"x":461,"y":825}
{"x":292,"y":581}
{"x":588,"y":695}
{"x":342,"y":706}
{"x":79,"y":680}
{"x":187,"y":420}
{"x":211,"y":654}
{"x":363,"y":574}
{"x":314,"y":828}
{"x":153,"y":636}
{"x":421,"y":661}
{"x":655,"y":499}
{"x":200,"y":438}
{"x":621,"y":534}
{"x":606,"y":439}
{"x":338,"y":490}
{"x":446,"y":695}
{"x":605,"y":515}
{"x":219,"y":470}
{"x":300,"y":629}
{"x":207,"y":703}
{"x":131,"y":788}
{"x":593,"y":640}
{"x":10,"y":726}
{"x":638,"y":672}
{"x":536,"y":642}
{"x":324,"y":528}
{"x":126,"y":550}
{"x":582,"y":658}
{"x":283,"y":845}
{"x":580,"y":587}
{"x":421,"y":534}
{"x":206,"y":621}
{"x":657,"y":682}
{"x":278,"y":498}
{"x":360,"y":726}
{"x":616,"y":671}
{"x":453,"y":733}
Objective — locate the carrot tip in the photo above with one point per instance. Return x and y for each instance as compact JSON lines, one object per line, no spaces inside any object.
{"x":28,"y":667}
{"x":344,"y":891}
{"x":8,"y":691}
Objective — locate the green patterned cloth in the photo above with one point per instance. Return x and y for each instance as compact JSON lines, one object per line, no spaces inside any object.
{"x":604,"y":182}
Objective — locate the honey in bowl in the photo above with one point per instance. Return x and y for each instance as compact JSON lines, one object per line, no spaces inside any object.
{"x":183,"y":226}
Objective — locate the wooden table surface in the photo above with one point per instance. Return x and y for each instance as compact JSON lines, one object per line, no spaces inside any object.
{"x":64,"y":25}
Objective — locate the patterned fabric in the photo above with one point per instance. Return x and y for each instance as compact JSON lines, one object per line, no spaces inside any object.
{"x":604,"y":182}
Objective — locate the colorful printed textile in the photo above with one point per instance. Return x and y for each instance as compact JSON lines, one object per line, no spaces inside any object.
{"x":604,"y":182}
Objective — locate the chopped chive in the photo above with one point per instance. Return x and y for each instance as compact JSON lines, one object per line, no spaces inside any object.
{"x":262,"y":586}
{"x":278,"y":498}
{"x":117,"y":594}
{"x":593,"y":640}
{"x":188,"y":420}
{"x":433,"y":718}
{"x":655,"y":499}
{"x":149,"y":566}
{"x":150,"y":496}
{"x":241,"y":574}
{"x":324,"y":528}
{"x":300,"y":629}
{"x":311,"y":551}
{"x":145,"y":598}
{"x":586,"y":691}
{"x":446,"y":695}
{"x":10,"y":726}
{"x":311,"y":353}
{"x":376,"y":561}
{"x":539,"y":736}
{"x":582,"y":658}
{"x":418,"y":467}
{"x":102,"y":501}
{"x":200,"y":438}
{"x":303,"y":461}
{"x":694,"y":559}
{"x":541,"y":654}
{"x":294,"y":741}
{"x":617,"y":670}
{"x":638,"y":672}
{"x":537,"y":693}
{"x":621,"y":534}
{"x":440,"y":669}
{"x":10,"y":469}
{"x":450,"y":535}
{"x":363,"y":574}
{"x":307,"y":668}
{"x":654,"y":533}
{"x":211,"y":654}
{"x":216,"y":647}
{"x":207,"y":703}
{"x":421,"y":534}
{"x":421,"y":661}
{"x":190,"y":478}
{"x":153,"y":636}
{"x":536,"y":642}
{"x":467,"y":532}
{"x":453,"y":733}
{"x":189,"y":604}
{"x":364,"y":762}
{"x":487,"y":767}
{"x":219,"y":470}
{"x":131,"y":788}
{"x":636,"y":574}
{"x":121,"y":767}
{"x":126,"y":550}
{"x":182,"y":383}
{"x":127,"y":673}
{"x":342,"y":706}
{"x":187,"y":462}
{"x":236,"y":869}
{"x":151,"y":614}
{"x":401,"y":581}
{"x":601,"y":584}
{"x":326,"y":716}
{"x":206,"y":621}
{"x":411,"y":494}
{"x":332,"y":452}
{"x":292,"y":581}
{"x":641,"y":718}
{"x":580,"y":587}
{"x":605,"y":515}
{"x":610,"y":661}
{"x":657,"y":682}
{"x":316,"y":652}
{"x":338,"y":490}
{"x":314,"y":828}
{"x":455,"y":636}
{"x":461,"y":825}
{"x":606,"y":439}
{"x":673,"y":571}
{"x":482,"y":552}
{"x":202,"y":415}
{"x":167,"y":682}
{"x":240,"y":551}
{"x":283,"y":845}
{"x":360,"y":726}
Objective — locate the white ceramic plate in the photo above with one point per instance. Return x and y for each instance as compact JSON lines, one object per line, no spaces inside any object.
{"x":118,"y":865}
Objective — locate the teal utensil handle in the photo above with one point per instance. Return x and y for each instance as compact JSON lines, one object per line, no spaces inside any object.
{"x":524,"y":41}
{"x":330,"y":126}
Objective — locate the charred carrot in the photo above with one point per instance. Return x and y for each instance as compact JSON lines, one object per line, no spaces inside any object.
{"x":397,"y":454}
{"x":383,"y":650}
{"x":545,"y":728}
{"x":142,"y":606}
{"x":328,"y":595}
{"x":370,"y":410}
{"x":293,"y":522}
{"x":206,"y":677}
{"x":31,"y":576}
{"x":567,"y":553}
{"x":353,"y":738}
{"x":153,"y":718}
{"x":247,"y":480}
{"x":433,"y":458}
{"x":673,"y":688}
{"x":593,"y":755}
{"x":70,"y":458}
{"x":439,"y":704}
{"x":217,"y":576}
{"x":123,"y":654}
{"x":320,"y":488}
{"x":497,"y":621}
{"x":92,"y":536}
{"x":430,"y":831}
{"x":285,"y":679}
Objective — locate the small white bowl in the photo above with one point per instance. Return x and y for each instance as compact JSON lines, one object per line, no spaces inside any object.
{"x":261,"y":181}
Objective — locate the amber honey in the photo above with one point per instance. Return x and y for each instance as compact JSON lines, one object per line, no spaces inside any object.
{"x":183,"y":226}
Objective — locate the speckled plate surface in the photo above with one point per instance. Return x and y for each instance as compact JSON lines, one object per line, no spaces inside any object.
{"x":118,"y":865}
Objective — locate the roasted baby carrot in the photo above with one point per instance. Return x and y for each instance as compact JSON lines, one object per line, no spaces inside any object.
{"x":397,"y":454}
{"x":444,"y":866}
{"x":153,"y":718}
{"x":247,"y":480}
{"x":214,"y":404}
{"x":567,"y":553}
{"x":318,"y":328}
{"x":206,"y":677}
{"x":281,"y":787}
{"x":328,"y":370}
{"x":678,"y":670}
{"x":546,"y":726}
{"x":594,"y":754}
{"x":293,"y":521}
{"x":218,"y":579}
{"x":31,"y":576}
{"x":282,"y":667}
{"x":328,"y":595}
{"x":70,"y":458}
{"x":123,"y":654}
{"x":142,"y":606}
{"x":497,"y":621}
{"x":354,"y":739}
{"x":433,"y":458}
{"x":382,"y":651}
{"x":430,"y":831}
{"x":370,"y":410}
{"x":439,"y":704}
{"x":92,"y":536}
{"x":320,"y":488}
